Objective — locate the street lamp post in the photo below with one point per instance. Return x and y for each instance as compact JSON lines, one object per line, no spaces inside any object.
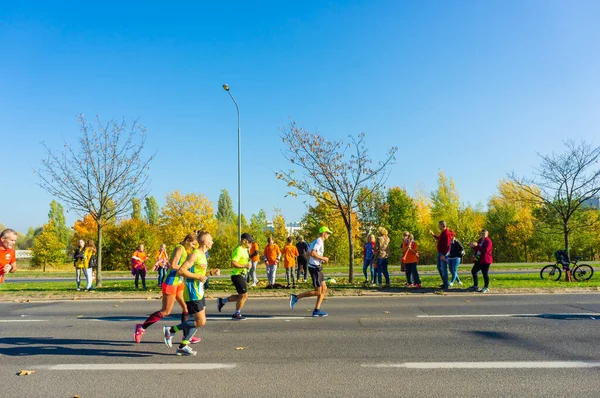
{"x":226,"y":88}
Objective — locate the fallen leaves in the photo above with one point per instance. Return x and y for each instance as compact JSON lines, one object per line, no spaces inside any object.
{"x":387,"y":312}
{"x":467,"y":301}
{"x":240,"y":348}
{"x":25,"y":372}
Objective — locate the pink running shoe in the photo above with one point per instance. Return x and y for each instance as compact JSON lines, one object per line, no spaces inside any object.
{"x":195,"y":340}
{"x":139,"y":332}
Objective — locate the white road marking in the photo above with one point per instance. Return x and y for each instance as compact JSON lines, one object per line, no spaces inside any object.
{"x":138,"y":366}
{"x":590,"y":314}
{"x":223,"y":318}
{"x":489,"y":365}
{"x":22,"y":320}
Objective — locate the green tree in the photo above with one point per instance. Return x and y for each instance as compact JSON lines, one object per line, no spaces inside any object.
{"x":26,"y":242}
{"x":123,"y":239}
{"x":399,"y":214}
{"x":371,"y":206}
{"x":152,"y":210}
{"x":225,"y":208}
{"x":57,"y":216}
{"x":258,"y":227}
{"x":136,"y":209}
{"x":47,"y":248}
{"x":445,"y":202}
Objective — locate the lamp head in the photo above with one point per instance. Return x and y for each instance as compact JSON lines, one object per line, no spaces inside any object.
{"x":225,"y":87}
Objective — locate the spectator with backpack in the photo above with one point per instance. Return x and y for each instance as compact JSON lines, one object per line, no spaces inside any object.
{"x":302,"y":247}
{"x":457,"y":252}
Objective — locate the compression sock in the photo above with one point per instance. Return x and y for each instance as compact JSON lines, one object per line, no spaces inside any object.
{"x":157,"y":316}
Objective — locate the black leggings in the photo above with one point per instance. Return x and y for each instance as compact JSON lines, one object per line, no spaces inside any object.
{"x":484,"y":268}
{"x":140,"y":273}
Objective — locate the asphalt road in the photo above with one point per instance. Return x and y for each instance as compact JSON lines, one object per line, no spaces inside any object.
{"x":469,"y":345}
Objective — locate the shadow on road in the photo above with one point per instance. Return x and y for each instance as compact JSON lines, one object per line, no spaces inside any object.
{"x":27,"y":346}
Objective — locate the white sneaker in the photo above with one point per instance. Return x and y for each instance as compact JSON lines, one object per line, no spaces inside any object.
{"x":459,"y":283}
{"x":253,"y":285}
{"x":451,"y":284}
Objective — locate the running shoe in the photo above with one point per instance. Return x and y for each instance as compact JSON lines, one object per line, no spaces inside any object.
{"x":293,"y":300}
{"x":418,"y":286}
{"x":195,"y":340}
{"x":484,"y":290}
{"x":237,"y":317}
{"x":317,"y":313}
{"x":473,"y":288}
{"x":220,"y":304}
{"x":138,"y":333}
{"x":185,"y":351}
{"x":168,"y":336}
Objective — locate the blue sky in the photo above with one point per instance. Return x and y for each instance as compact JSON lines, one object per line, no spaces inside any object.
{"x":474,"y":88}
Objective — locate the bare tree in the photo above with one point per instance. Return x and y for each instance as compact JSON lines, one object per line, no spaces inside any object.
{"x":562,"y":185}
{"x":101,"y":175}
{"x":334,"y":167}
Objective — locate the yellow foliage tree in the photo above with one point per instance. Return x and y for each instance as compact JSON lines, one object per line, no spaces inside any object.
{"x":280,"y":231}
{"x":183,"y":214}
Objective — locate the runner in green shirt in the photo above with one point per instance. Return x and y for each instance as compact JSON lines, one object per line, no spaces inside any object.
{"x":240,"y":263}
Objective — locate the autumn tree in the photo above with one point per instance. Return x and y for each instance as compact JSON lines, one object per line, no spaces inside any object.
{"x":561,"y":186}
{"x":445,"y":202}
{"x":152,"y":210}
{"x":335,"y":168}
{"x":183,"y":214}
{"x":106,"y":166}
{"x":280,"y":231}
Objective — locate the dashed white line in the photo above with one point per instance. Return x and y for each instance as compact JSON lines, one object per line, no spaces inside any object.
{"x":489,"y":365}
{"x":22,"y":320}
{"x":139,"y":366}
{"x":590,"y":314}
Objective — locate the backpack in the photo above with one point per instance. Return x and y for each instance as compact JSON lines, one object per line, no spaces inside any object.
{"x":462,"y":249}
{"x":562,"y":257}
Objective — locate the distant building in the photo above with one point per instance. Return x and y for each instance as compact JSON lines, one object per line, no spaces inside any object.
{"x":593,"y":203}
{"x":293,"y":228}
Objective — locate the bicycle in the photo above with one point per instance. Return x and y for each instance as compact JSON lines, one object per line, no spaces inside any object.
{"x":581,"y":272}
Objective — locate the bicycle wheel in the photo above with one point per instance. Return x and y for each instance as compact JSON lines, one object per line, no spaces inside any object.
{"x":583,"y":272}
{"x":550,"y":273}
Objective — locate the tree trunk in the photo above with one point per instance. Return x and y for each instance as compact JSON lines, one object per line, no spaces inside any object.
{"x":99,"y":256}
{"x":566,"y":232}
{"x":525,"y":246}
{"x":351,"y":246}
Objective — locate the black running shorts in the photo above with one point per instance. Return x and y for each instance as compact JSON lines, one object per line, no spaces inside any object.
{"x":317,"y":276}
{"x":239,"y":281}
{"x":195,"y":307}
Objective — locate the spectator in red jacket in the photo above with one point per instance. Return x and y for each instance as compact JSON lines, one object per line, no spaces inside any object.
{"x":483,"y":260}
{"x":443,"y":248}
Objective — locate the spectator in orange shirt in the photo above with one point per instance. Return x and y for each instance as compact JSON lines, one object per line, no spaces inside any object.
{"x":410,"y":258}
{"x":162,"y":263}
{"x":138,"y":265}
{"x":8,"y":259}
{"x":273,"y":254}
{"x":290,"y":252}
{"x":254,"y":252}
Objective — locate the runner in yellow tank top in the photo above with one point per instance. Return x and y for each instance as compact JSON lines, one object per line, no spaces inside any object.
{"x":172,"y":288}
{"x":194,"y":271}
